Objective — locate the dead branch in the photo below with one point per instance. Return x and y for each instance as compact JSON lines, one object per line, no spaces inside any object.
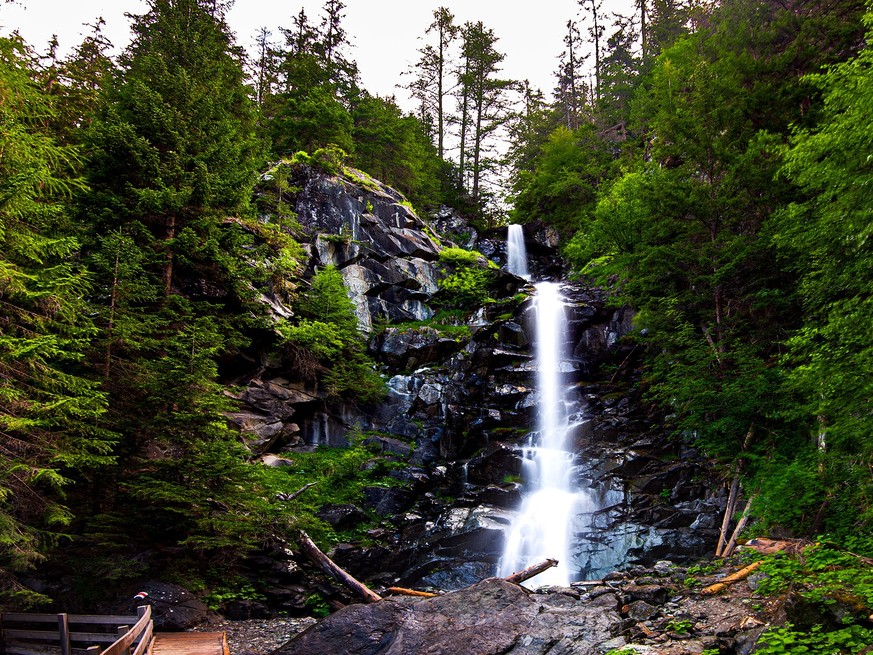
{"x":531,"y":571}
{"x":402,"y":591}
{"x":729,"y":549}
{"x":292,"y":496}
{"x":330,"y":567}
{"x":742,"y":574}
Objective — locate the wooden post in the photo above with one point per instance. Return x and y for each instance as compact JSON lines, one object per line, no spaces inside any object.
{"x":64,"y":634}
{"x":121,"y":631}
{"x":732,"y":543}
{"x":330,"y":567}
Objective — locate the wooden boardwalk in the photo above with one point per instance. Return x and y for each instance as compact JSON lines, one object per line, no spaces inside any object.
{"x":189,"y":643}
{"x":86,"y":634}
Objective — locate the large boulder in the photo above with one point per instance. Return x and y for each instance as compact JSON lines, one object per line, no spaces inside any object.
{"x":490,"y":617}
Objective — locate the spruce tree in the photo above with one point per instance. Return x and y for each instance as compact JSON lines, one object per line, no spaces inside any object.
{"x":175,"y":155}
{"x":48,"y":409}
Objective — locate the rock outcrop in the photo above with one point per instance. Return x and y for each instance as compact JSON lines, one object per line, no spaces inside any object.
{"x":460,"y":401}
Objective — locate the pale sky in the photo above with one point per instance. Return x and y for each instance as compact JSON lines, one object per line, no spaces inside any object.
{"x":385,"y":33}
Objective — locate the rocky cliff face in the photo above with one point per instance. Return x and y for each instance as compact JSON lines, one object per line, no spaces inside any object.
{"x":461,"y":400}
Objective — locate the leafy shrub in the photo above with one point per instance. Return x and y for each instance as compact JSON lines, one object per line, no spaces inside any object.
{"x":467,"y":277}
{"x":785,"y":640}
{"x":325,"y":345}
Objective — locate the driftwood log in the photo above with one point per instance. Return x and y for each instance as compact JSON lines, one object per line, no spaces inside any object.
{"x":330,"y":567}
{"x":403,"y":591}
{"x":531,"y":571}
{"x":742,"y":574}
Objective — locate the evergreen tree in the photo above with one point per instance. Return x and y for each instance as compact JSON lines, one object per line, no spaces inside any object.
{"x":687,"y":233}
{"x":595,"y":30}
{"x":430,"y":87}
{"x":175,"y":153}
{"x":83,"y":80}
{"x":571,"y":89}
{"x":395,"y":149}
{"x":48,"y":409}
{"x":483,"y":107}
{"x":325,"y":344}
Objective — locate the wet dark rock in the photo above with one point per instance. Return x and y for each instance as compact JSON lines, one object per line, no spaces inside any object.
{"x":174,"y":608}
{"x":387,"y":501}
{"x":640,"y":610}
{"x":653,"y":594}
{"x":242,"y":610}
{"x":341,"y":517}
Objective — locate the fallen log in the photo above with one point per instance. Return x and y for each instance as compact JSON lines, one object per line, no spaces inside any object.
{"x":403,"y":591}
{"x":332,"y":569}
{"x":742,"y":574}
{"x":531,"y":571}
{"x":767,"y":546}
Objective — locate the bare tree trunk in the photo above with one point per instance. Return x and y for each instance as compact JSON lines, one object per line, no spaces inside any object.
{"x":728,"y":513}
{"x":729,"y":549}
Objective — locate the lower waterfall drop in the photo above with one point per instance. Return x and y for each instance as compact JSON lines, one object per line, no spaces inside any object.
{"x":552,"y":502}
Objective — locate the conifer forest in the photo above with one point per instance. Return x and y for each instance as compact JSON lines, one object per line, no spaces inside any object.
{"x":706,"y":165}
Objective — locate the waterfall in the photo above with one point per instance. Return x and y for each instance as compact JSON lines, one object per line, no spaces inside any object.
{"x":551,"y":502}
{"x":516,"y":254}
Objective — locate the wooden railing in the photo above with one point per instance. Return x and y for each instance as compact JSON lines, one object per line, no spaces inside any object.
{"x":29,"y":634}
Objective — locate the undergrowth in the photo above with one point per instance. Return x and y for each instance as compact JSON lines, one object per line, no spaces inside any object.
{"x":837,"y":582}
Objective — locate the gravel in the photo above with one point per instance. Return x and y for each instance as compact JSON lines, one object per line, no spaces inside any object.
{"x":258,"y":636}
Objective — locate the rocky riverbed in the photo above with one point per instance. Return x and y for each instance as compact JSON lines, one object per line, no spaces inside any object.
{"x":657,"y":610}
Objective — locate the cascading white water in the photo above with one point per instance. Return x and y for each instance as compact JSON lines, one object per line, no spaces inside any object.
{"x":551,"y":503}
{"x":516,"y":253}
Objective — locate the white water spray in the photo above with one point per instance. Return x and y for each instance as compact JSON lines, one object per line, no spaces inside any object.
{"x":516,"y":254}
{"x":544,"y":528}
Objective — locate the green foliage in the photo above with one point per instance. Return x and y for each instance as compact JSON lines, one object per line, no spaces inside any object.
{"x":49,"y":410}
{"x":337,"y":475}
{"x":461,"y":257}
{"x":567,"y":172}
{"x":467,"y":277}
{"x":825,"y":239}
{"x":822,"y":574}
{"x":816,"y":641}
{"x":679,"y":626}
{"x":395,"y":149}
{"x":326,"y":345}
{"x":237,"y":589}
{"x":449,"y":322}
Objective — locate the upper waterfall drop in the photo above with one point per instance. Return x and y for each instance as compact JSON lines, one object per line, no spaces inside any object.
{"x":516,"y":253}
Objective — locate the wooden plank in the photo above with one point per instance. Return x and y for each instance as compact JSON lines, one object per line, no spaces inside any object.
{"x":47,"y":635}
{"x":16,"y":634}
{"x":190,"y":643}
{"x":98,"y":619}
{"x":123,"y":630}
{"x":17,"y":617}
{"x":16,"y":650}
{"x":145,"y":641}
